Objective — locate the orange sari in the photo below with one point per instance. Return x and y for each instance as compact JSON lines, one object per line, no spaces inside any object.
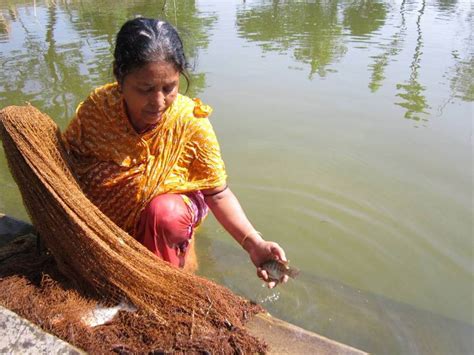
{"x":121,"y":170}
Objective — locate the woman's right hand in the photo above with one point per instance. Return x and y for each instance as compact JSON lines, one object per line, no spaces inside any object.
{"x":260,"y":251}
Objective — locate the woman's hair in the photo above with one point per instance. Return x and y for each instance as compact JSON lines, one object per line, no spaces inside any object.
{"x":144,"y":40}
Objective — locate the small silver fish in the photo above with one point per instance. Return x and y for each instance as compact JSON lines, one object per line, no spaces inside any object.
{"x":276,"y":269}
{"x":103,"y":314}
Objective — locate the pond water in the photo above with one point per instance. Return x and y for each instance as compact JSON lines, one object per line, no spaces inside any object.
{"x":346,"y":127}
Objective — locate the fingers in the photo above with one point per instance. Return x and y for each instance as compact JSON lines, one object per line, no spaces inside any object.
{"x":278,"y":251}
{"x":262,"y":273}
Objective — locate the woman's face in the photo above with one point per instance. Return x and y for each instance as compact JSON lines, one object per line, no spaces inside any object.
{"x":148,"y":91}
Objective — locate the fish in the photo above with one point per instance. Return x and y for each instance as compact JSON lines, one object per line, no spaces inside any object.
{"x":277,"y":269}
{"x":103,"y":314}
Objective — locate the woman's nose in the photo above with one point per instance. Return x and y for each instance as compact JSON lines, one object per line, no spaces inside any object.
{"x":158,"y":98}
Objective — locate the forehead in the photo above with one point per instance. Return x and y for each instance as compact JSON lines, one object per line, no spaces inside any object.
{"x":159,"y":72}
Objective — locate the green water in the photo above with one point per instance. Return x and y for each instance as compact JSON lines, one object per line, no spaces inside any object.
{"x":346,"y":127}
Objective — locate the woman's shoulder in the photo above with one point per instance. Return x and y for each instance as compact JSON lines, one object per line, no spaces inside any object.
{"x":104,"y":98}
{"x":192,"y":107}
{"x":108,"y":93}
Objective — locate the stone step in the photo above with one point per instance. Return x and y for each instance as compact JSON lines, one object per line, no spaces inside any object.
{"x":20,"y":336}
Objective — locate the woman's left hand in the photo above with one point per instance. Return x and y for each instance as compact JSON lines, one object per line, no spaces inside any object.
{"x":261,"y":251}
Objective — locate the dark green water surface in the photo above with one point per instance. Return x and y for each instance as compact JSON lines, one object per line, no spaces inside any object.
{"x":346,"y":127}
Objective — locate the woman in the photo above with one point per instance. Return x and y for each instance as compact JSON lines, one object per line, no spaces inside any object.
{"x":148,"y":156}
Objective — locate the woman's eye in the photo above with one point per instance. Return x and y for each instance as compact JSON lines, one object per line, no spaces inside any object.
{"x":145,"y":90}
{"x":168,"y":89}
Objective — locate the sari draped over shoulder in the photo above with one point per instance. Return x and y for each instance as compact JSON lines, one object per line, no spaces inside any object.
{"x":121,"y":170}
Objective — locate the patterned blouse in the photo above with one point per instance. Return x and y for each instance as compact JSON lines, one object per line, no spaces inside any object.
{"x":121,"y":170}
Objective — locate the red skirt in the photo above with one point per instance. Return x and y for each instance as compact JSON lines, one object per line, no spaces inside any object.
{"x":167,"y":225}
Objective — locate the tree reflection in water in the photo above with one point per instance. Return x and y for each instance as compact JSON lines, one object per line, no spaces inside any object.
{"x":462,"y":81}
{"x":391,"y":50}
{"x":461,"y":74}
{"x":415,"y":100}
{"x":314,"y":33}
{"x":311,"y":30}
{"x":363,"y":17}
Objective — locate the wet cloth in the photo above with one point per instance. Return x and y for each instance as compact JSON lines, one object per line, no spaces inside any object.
{"x":121,"y":171}
{"x":167,"y":225}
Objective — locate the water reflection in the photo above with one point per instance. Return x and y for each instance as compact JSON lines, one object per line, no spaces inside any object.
{"x":462,"y":79}
{"x":389,"y":51}
{"x":461,"y":74}
{"x":448,"y":6}
{"x":6,"y":17}
{"x":4,"y":27}
{"x":311,"y":30}
{"x":412,"y":91}
{"x":321,"y":33}
{"x":364,"y":16}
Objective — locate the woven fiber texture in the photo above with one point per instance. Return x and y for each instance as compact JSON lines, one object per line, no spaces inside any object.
{"x":96,"y":254}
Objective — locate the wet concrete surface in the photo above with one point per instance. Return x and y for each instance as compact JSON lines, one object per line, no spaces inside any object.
{"x":19,"y":336}
{"x":286,"y":338}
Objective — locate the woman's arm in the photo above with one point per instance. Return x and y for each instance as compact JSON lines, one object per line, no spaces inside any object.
{"x":227,"y":210}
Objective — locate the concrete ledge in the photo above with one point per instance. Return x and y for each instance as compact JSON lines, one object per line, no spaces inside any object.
{"x":286,"y":338}
{"x":19,"y":336}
